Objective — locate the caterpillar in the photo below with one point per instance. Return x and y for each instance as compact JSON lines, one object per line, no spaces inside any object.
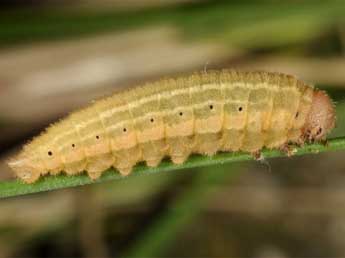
{"x":203,"y":113}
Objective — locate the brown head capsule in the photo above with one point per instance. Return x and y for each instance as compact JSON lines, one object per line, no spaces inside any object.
{"x":321,"y":118}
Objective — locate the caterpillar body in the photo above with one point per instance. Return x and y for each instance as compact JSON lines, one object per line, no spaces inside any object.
{"x":202,"y":113}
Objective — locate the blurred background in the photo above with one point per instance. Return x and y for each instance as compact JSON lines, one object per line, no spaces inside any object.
{"x":56,"y":56}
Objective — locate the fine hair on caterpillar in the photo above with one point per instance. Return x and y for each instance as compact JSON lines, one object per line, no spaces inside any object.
{"x":201,"y":113}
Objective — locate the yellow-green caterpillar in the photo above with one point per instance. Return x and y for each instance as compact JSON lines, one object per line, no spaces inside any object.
{"x":201,"y":113}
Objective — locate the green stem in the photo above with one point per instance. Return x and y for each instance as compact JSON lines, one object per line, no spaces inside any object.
{"x":16,"y":187}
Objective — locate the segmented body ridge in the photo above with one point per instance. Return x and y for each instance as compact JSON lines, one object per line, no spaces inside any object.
{"x":201,"y":113}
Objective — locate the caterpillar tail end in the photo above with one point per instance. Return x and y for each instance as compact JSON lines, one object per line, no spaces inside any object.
{"x":23,"y":168}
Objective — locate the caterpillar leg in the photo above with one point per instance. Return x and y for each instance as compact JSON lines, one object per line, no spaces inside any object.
{"x":180,"y":148}
{"x":257,"y":155}
{"x":98,"y":164}
{"x":288,"y":149}
{"x":125,"y":171}
{"x":153,"y":152}
{"x":154,"y":162}
{"x":157,"y":157}
{"x":179,"y":159}
{"x":125,"y":160}
{"x":94,"y":175}
{"x":76,"y":167}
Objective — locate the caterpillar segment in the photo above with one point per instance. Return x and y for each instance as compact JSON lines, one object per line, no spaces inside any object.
{"x":202,"y":113}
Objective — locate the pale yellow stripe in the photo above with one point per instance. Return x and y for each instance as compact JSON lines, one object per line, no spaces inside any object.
{"x":131,"y":105}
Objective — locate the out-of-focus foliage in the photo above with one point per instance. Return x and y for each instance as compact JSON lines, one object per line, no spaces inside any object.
{"x":247,"y":24}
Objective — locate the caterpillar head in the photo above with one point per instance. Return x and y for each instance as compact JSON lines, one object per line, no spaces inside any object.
{"x":321,"y":118}
{"x":26,"y":167}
